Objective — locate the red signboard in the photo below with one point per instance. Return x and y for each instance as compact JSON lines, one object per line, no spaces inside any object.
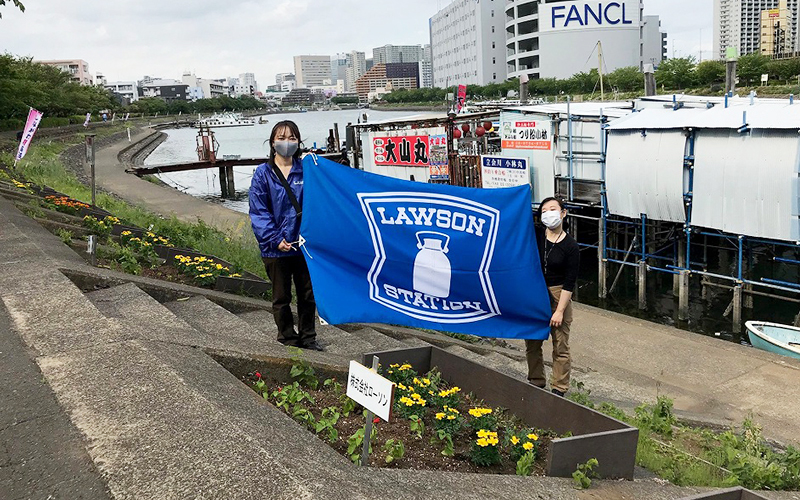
{"x":402,"y":151}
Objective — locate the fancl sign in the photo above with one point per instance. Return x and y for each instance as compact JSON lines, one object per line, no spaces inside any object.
{"x":561,"y":16}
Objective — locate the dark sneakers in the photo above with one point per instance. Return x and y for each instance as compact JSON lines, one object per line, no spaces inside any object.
{"x":312,"y":346}
{"x":558,"y":393}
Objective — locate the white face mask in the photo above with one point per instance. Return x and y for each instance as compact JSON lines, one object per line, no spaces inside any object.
{"x":551,"y":218}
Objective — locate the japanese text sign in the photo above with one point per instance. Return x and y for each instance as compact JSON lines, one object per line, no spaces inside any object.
{"x":519,"y":134}
{"x":370,"y":390}
{"x":406,"y":150}
{"x":502,"y":172}
{"x":438,"y":157}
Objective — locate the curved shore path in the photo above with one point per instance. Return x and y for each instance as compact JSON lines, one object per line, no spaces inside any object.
{"x":112,"y":178}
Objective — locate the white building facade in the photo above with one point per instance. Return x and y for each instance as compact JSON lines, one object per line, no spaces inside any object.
{"x":249,"y":80}
{"x":737,"y":24}
{"x":554,"y":39}
{"x":468,"y":43}
{"x":128,"y":90}
{"x":311,"y":71}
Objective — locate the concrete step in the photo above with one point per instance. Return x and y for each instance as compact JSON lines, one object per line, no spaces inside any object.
{"x":335,"y":340}
{"x":137,"y":309}
{"x":377,"y":340}
{"x":221,"y":329}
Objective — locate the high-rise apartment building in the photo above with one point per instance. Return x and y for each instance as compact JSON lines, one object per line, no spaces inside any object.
{"x":468,"y":43}
{"x":249,"y":80}
{"x":388,"y":77}
{"x":654,"y":41}
{"x":776,"y":30}
{"x":738,"y":24}
{"x":312,"y":71}
{"x":355,"y":67}
{"x":339,"y":68}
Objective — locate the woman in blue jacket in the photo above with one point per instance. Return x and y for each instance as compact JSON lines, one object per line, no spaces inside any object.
{"x":276,"y":200}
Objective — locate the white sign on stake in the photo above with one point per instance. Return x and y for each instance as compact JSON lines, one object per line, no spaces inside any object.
{"x":370,"y":390}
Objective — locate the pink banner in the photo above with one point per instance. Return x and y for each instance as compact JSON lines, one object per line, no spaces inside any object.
{"x":461,"y":98}
{"x":34,"y":118}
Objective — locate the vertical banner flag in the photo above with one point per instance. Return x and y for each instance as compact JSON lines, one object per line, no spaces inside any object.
{"x":88,"y":117}
{"x":34,"y":118}
{"x":423,"y":255}
{"x":461,"y":98}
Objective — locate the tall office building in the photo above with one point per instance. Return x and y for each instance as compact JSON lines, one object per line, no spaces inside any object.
{"x":355,"y":66}
{"x":339,"y":68}
{"x":737,"y":24}
{"x":468,"y":43}
{"x":312,"y":71}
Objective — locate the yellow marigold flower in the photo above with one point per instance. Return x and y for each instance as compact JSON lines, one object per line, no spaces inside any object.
{"x":453,"y":410}
{"x":439,"y":416}
{"x":514,"y":440}
{"x":237,"y":275}
{"x":482,"y":433}
{"x":474,"y":412}
{"x":401,"y":386}
{"x":394,"y":366}
{"x":421,"y":402}
{"x":416,"y":396}
{"x":528,"y":445}
{"x":533,"y":437}
{"x":427,"y":381}
{"x":126,"y":233}
{"x":482,"y":443}
{"x":451,"y":417}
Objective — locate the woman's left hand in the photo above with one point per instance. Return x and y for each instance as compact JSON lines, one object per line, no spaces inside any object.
{"x":556,"y":319}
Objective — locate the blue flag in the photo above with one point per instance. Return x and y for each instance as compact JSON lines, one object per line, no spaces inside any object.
{"x":384,"y":250}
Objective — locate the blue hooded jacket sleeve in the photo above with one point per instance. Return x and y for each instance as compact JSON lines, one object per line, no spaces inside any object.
{"x":267,"y":232}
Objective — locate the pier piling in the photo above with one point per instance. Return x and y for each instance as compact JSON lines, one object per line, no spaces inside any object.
{"x":602,"y":271}
{"x":641,"y":278}
{"x":683,"y":296}
{"x":737,"y":308}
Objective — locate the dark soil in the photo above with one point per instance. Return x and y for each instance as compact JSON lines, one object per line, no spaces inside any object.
{"x":420,"y":453}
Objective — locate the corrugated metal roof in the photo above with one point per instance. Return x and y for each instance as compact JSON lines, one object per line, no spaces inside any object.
{"x":761,"y":115}
{"x":610,"y":109}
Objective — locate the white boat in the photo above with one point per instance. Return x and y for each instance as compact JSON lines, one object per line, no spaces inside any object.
{"x":220,"y":120}
{"x":774,"y":337}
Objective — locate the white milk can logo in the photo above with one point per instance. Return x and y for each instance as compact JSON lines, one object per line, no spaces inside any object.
{"x":433,"y":253}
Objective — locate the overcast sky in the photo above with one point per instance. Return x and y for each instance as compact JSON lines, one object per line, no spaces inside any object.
{"x":127,"y":39}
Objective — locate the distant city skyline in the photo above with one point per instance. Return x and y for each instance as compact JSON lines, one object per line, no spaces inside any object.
{"x":126,"y":40}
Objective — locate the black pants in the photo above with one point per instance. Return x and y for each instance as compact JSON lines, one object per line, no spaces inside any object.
{"x":281,"y":272}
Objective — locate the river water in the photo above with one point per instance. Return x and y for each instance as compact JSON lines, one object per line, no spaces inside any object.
{"x":249,"y":142}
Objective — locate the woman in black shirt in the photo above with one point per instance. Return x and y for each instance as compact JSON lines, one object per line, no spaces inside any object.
{"x":560,"y":259}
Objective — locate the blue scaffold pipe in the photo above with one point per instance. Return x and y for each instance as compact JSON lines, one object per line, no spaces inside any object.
{"x":795,"y":286}
{"x":631,"y":264}
{"x":788,"y":261}
{"x":662,"y":270}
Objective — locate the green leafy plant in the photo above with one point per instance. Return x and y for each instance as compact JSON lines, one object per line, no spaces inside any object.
{"x":449,"y":420}
{"x":395,"y":450}
{"x":658,"y":417}
{"x":290,"y":395}
{"x":356,"y":441}
{"x":416,"y":425}
{"x":65,"y":235}
{"x":482,"y":418}
{"x":525,"y":464}
{"x":301,"y":370}
{"x":522,"y":442}
{"x":304,"y":416}
{"x":326,"y":423}
{"x":584,"y":474}
{"x":102,"y":228}
{"x":445,"y":438}
{"x":128,"y":261}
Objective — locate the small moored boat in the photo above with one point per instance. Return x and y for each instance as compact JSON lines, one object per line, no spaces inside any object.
{"x":225,"y":120}
{"x":774,"y":337}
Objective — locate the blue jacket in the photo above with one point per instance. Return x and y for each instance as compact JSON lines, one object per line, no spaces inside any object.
{"x":271,"y":212}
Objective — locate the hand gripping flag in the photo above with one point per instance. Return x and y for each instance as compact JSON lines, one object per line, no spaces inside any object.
{"x":383,"y":250}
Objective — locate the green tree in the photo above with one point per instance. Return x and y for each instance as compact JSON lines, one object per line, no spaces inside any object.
{"x":677,"y":73}
{"x":751,"y":66}
{"x":784,"y":70}
{"x":710,"y":72}
{"x":16,"y":3}
{"x":626,"y":79}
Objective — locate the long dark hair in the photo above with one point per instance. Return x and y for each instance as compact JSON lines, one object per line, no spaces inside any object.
{"x":292,"y":126}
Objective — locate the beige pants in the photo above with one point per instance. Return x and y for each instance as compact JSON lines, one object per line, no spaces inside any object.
{"x":562,"y":363}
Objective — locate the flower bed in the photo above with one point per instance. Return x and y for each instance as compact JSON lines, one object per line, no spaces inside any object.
{"x":435,"y":426}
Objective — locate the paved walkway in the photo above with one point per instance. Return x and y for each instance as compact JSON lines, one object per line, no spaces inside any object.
{"x":163,"y":200}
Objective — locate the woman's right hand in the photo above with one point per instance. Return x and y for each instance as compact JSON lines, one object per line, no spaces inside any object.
{"x":284,"y":247}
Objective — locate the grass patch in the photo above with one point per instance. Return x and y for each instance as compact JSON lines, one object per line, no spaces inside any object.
{"x":693,"y":456}
{"x":42,"y":165}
